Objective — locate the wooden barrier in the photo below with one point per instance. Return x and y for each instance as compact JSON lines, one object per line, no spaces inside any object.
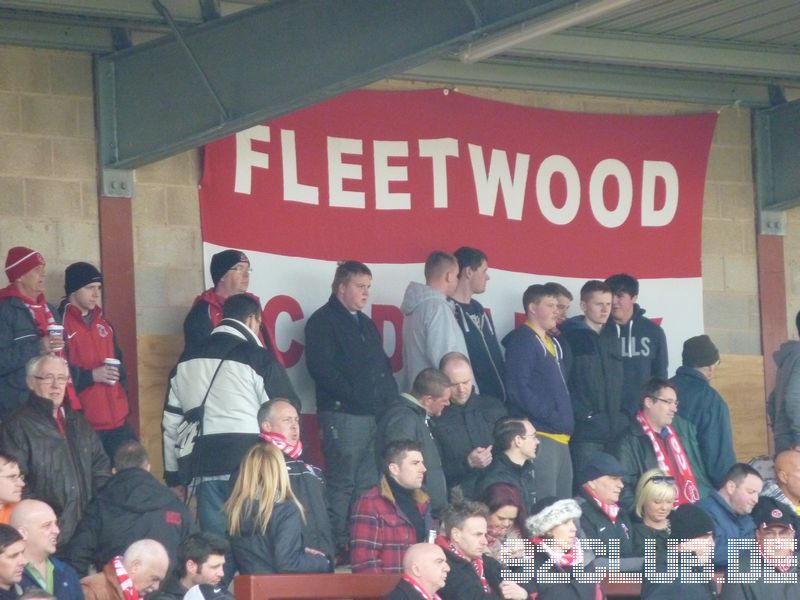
{"x":355,"y":586}
{"x":321,"y":586}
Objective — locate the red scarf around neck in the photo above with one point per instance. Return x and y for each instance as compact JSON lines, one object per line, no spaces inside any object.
{"x":38,"y":308}
{"x":562,"y":559}
{"x":125,"y":582}
{"x":610,"y":510}
{"x":477,"y":563}
{"x":281,"y":443}
{"x":673,"y":461}
{"x":420,"y":590}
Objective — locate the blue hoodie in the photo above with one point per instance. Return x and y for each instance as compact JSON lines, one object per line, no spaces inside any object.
{"x":535,"y":383}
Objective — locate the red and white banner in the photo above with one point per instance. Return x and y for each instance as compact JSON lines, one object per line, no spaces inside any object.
{"x":387,"y":177}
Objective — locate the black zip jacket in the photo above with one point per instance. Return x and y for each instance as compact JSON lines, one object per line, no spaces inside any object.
{"x":594,"y":373}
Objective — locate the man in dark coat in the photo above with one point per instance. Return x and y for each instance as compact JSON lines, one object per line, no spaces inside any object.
{"x":473,"y":574}
{"x":280,"y":425}
{"x":425,"y":570}
{"x":702,"y":406}
{"x":25,"y":317}
{"x":464,"y":431}
{"x":408,"y":418}
{"x":593,"y":369}
{"x":602,"y":519}
{"x":515,"y":445}
{"x":58,"y":452}
{"x":354,"y":384}
{"x":133,"y":505}
{"x":659,"y":439}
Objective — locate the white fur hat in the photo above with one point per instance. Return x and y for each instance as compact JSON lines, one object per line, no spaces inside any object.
{"x":551,"y":512}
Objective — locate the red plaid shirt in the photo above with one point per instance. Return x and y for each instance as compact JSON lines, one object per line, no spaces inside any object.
{"x":379,"y":533}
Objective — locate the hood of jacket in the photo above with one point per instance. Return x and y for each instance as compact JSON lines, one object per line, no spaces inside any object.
{"x":137,"y":491}
{"x":575,"y":323}
{"x":418,"y":294}
{"x":788,"y":350}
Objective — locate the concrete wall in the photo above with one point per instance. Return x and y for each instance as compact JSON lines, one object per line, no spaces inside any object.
{"x":48,"y":201}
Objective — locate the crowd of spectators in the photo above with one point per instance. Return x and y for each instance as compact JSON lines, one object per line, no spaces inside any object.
{"x":558,"y":449}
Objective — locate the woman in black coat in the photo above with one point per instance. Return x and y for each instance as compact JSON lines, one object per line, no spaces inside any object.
{"x":266,"y":535}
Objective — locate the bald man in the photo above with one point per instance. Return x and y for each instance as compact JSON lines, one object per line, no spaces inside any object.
{"x":144,"y":565}
{"x":37,"y":523}
{"x":425,"y":570}
{"x":785,"y":488}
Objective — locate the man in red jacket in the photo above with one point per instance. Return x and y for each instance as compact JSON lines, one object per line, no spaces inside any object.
{"x":91,"y":351}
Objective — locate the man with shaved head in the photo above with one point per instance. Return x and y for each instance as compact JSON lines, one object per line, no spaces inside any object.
{"x":785,"y":488}
{"x":135,"y":574}
{"x":37,"y":523}
{"x":425,"y":570}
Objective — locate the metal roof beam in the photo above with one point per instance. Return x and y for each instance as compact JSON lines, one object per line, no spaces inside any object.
{"x":573,"y":78}
{"x":665,"y":53}
{"x":271,"y":60}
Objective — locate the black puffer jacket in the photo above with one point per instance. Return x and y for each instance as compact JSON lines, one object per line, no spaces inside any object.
{"x":64,"y":471}
{"x":280,"y":550}
{"x":19,"y":342}
{"x":346,"y":359}
{"x":132,"y":506}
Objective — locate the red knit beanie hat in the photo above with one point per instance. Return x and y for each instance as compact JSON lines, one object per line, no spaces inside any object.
{"x":20,"y":260}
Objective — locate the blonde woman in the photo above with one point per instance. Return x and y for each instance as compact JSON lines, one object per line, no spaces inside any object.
{"x":655,"y":496}
{"x":265,"y":518}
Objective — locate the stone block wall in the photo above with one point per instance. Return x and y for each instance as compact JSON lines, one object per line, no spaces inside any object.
{"x":48,"y":201}
{"x":48,"y":197}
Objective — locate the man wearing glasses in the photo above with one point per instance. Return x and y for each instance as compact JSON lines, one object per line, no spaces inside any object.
{"x":515,"y":444}
{"x":58,"y":452}
{"x":230,"y":273}
{"x":11,"y":484}
{"x":659,"y":439}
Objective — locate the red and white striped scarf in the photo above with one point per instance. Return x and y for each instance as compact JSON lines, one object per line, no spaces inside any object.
{"x":610,"y":510}
{"x":422,"y":593}
{"x":476,"y":563}
{"x":125,"y":582}
{"x":673,"y":462}
{"x":293,"y":451}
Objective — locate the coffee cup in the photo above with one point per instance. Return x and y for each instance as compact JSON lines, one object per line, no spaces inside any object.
{"x":112,"y":362}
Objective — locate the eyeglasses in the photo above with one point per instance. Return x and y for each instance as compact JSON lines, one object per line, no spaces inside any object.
{"x":241,"y":269}
{"x":661,"y":479}
{"x":669,"y":401}
{"x":52,"y":379}
{"x":14,"y":477}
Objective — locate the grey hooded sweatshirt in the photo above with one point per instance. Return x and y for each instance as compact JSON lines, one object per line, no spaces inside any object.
{"x":430,"y":331}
